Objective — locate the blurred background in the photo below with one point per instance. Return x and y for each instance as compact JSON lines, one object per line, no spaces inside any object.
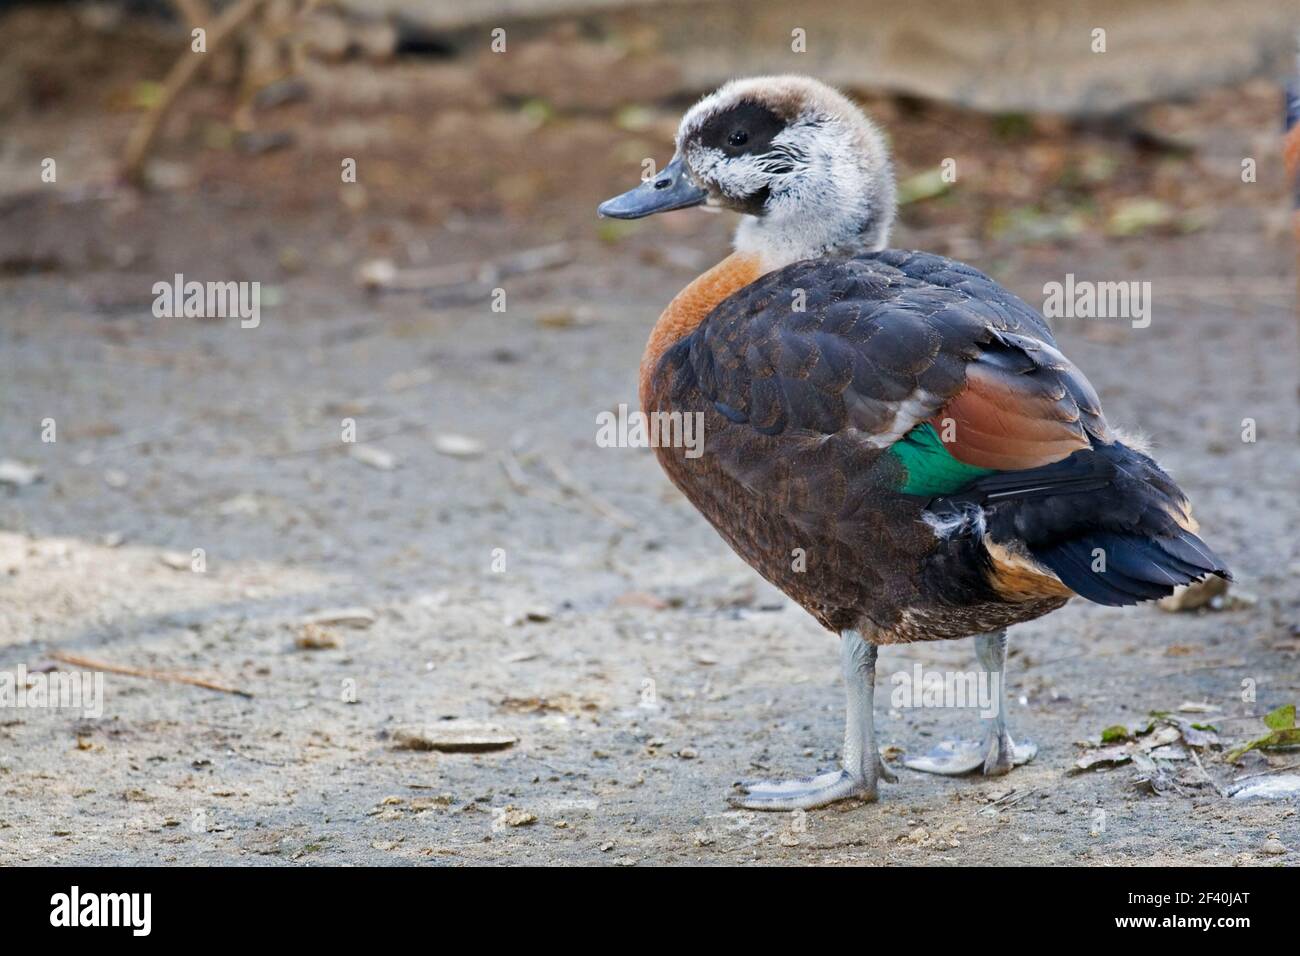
{"x":472,"y":562}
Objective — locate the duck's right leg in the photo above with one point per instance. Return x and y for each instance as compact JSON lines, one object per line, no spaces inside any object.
{"x":862,"y":767}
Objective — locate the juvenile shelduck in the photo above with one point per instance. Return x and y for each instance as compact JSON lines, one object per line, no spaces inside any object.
{"x":891,"y":438}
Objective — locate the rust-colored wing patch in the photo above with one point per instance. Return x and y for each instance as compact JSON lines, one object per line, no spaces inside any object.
{"x":995,"y":423}
{"x":1024,"y":405}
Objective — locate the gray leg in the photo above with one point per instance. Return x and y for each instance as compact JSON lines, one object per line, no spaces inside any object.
{"x":997,"y":753}
{"x":862,"y":766}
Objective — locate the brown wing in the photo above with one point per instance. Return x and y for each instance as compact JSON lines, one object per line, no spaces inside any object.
{"x":874,"y":345}
{"x":1024,"y":405}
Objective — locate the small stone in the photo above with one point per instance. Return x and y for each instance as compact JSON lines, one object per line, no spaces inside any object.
{"x":1274,"y":847}
{"x":244,"y":504}
{"x":457,"y":446}
{"x":115,"y":478}
{"x":374,"y":457}
{"x":688,"y":753}
{"x":451,"y":737}
{"x":532,"y":615}
{"x":376,"y":274}
{"x":514,"y":817}
{"x":17,"y":474}
{"x":313,"y":637}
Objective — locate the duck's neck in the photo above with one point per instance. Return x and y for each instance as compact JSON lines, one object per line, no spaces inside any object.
{"x":778,"y":241}
{"x":689,"y":307}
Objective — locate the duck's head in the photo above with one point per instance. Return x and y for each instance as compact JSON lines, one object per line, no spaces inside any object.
{"x":808,"y":171}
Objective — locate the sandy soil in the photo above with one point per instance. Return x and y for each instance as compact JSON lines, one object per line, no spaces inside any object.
{"x":640,"y":666}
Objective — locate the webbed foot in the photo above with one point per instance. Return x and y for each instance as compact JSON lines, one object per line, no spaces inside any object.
{"x":807,"y":793}
{"x":993,"y":756}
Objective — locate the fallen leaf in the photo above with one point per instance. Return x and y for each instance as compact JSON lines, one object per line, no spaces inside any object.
{"x":1284,"y":733}
{"x":1164,"y":735}
{"x":1107,"y":757}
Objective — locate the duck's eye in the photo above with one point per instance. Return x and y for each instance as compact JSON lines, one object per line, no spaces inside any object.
{"x":738,"y":138}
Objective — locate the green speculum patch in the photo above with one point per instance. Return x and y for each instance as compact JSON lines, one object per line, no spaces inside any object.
{"x":930,"y":470}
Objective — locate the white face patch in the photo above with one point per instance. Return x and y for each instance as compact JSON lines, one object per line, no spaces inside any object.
{"x":824,"y":181}
{"x":738,"y":178}
{"x":735,"y":177}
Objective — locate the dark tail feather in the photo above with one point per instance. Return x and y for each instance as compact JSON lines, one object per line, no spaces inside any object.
{"x":1119,"y":569}
{"x":1108,"y":508}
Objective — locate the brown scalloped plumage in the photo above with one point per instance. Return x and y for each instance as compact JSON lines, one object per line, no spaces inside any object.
{"x":799,"y":407}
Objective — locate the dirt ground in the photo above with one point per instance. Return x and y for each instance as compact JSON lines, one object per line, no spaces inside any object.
{"x":639,"y":665}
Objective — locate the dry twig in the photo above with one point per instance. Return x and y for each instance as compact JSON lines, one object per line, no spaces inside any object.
{"x":182,"y":73}
{"x":147,"y":673}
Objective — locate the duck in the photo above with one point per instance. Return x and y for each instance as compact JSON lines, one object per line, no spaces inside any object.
{"x":890,"y":437}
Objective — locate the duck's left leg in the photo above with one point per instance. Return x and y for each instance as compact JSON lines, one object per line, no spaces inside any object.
{"x":862,"y":767}
{"x":997,"y":753}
